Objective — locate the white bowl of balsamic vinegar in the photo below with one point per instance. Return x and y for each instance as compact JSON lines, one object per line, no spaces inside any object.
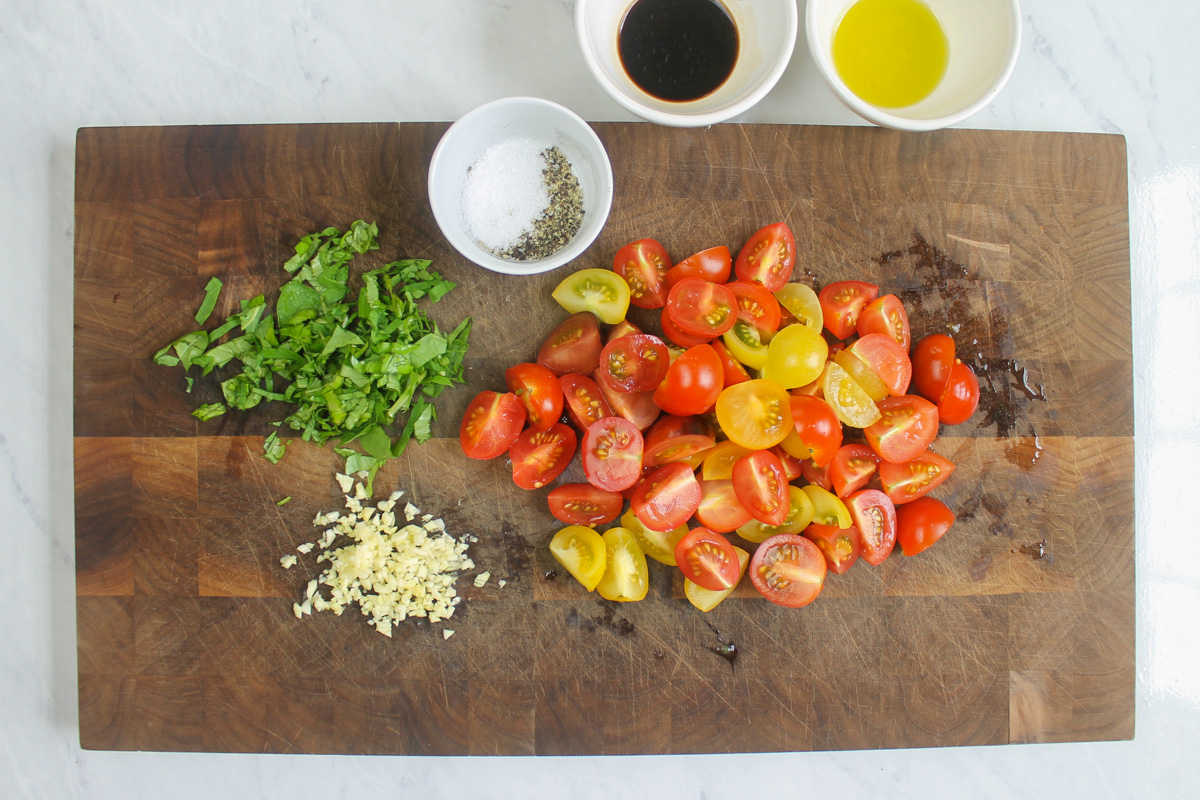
{"x":687,"y":63}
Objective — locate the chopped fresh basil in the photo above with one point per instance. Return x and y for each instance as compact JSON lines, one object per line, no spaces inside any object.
{"x":208,"y":411}
{"x":211,"y":292}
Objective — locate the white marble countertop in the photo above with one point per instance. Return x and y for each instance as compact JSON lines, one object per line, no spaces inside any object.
{"x":1086,"y":65}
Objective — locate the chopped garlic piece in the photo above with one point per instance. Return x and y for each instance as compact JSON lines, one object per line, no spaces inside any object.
{"x":426,"y":517}
{"x":411,"y":511}
{"x":297,"y":611}
{"x":481,"y":579}
{"x":502,"y":583}
{"x":360,"y":493}
{"x":396,"y":495}
{"x":446,"y":633}
{"x":287,"y":562}
{"x":305,"y":548}
{"x":435,"y":525}
{"x":345,"y":482}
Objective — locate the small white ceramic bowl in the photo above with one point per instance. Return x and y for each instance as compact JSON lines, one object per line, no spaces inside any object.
{"x":984,"y":38}
{"x":518,"y":118}
{"x":766,"y":36}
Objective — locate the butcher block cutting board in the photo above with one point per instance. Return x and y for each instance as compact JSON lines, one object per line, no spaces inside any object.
{"x":1018,"y":626}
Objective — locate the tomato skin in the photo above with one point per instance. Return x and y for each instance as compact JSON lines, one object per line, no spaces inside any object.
{"x":874,"y":515}
{"x":961,"y":397}
{"x":667,"y":497}
{"x":678,"y":336}
{"x":932,"y":360}
{"x":491,"y":423}
{"x":732,"y":370}
{"x":792,"y":468}
{"x":583,"y":400}
{"x":693,"y":382}
{"x":906,"y":428}
{"x":816,"y":431}
{"x":921,"y":523}
{"x":701,"y":308}
{"x":707,"y":559}
{"x":817,"y":476}
{"x":584,"y":504}
{"x":756,"y":305}
{"x":612,"y":454}
{"x":634,"y":363}
{"x":841,"y":547}
{"x":768,"y":257}
{"x":712,"y":265}
{"x":746,"y":345}
{"x":788,"y":570}
{"x":841,"y":304}
{"x":886,"y":315}
{"x":852,"y":468}
{"x":622,"y":328}
{"x":574,"y":346}
{"x":909,"y":481}
{"x":800,"y":516}
{"x":886,"y":359}
{"x":720,"y":510}
{"x":676,"y":438}
{"x":539,"y":391}
{"x":719,"y":461}
{"x":762,"y":487}
{"x":755,"y":414}
{"x":538,"y":457}
{"x":644,"y":265}
{"x":637,"y":407}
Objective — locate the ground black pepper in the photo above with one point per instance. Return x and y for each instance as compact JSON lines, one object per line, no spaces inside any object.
{"x":559,"y":221}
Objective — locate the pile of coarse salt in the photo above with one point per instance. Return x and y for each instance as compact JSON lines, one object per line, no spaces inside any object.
{"x":505,"y":193}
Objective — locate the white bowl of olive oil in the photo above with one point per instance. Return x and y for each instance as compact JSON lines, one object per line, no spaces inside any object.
{"x":915,"y":65}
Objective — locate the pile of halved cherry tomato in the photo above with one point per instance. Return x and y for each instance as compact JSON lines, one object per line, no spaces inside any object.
{"x":750,"y":390}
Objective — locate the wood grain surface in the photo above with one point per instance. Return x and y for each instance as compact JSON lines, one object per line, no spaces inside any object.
{"x":186,"y":635}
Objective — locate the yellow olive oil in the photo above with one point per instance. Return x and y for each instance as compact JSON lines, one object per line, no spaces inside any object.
{"x":891,"y":53}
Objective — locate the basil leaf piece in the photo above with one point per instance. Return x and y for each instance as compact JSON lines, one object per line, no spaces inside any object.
{"x":211,"y":292}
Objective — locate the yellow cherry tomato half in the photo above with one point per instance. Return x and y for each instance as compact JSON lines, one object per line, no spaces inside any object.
{"x":581,"y":552}
{"x":800,"y":515}
{"x":626,"y":578}
{"x":745,"y":344}
{"x":875,"y":388}
{"x":659,"y":545}
{"x":795,"y":356}
{"x":719,"y":461}
{"x":707,"y":599}
{"x":600,"y":291}
{"x":828,"y":509}
{"x":755,"y":414}
{"x":853,"y":406}
{"x":802,"y":302}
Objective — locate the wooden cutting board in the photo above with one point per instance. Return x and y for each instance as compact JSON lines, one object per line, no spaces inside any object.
{"x":186,"y":635}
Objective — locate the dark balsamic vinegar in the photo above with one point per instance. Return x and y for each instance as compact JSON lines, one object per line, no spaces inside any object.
{"x":678,"y":50}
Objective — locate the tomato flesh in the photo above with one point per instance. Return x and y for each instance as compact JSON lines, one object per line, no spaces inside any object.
{"x":756,"y":305}
{"x":659,"y":545}
{"x":755,"y":414}
{"x":762,"y":487}
{"x":841,"y":304}
{"x":874,"y":516}
{"x":581,"y":552}
{"x":626,"y":578}
{"x":666,"y":497}
{"x":906,"y":482}
{"x":491,"y":423}
{"x":634,"y":363}
{"x":800,"y":515}
{"x":701,"y":308}
{"x":768,"y":257}
{"x":921,"y":523}
{"x":720,"y":510}
{"x":583,"y":504}
{"x":583,"y":400}
{"x":886,"y":359}
{"x":674,"y":438}
{"x":886,"y":315}
{"x":637,"y":407}
{"x":841,"y":547}
{"x":852,"y":468}
{"x":574,"y":346}
{"x":732,"y":370}
{"x":906,"y":427}
{"x":644,"y":265}
{"x":708,"y":560}
{"x":816,"y":431}
{"x":612,"y":454}
{"x":539,"y":457}
{"x":788,"y":570}
{"x":600,"y":291}
{"x":539,"y":391}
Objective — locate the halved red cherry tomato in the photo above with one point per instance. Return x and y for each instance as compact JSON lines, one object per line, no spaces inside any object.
{"x":874,"y":515}
{"x":921,"y":523}
{"x":574,"y":346}
{"x":788,"y":570}
{"x":701,"y":308}
{"x":906,"y":482}
{"x":612,"y":454}
{"x":675,"y":438}
{"x":791,"y":464}
{"x":768,"y":257}
{"x":886,"y":315}
{"x":634,"y":363}
{"x":906,"y":428}
{"x":622,"y":328}
{"x":732,"y":370}
{"x":583,"y":504}
{"x":756,"y":305}
{"x":840,"y":546}
{"x":708,"y":560}
{"x":817,"y":476}
{"x":693,"y":382}
{"x":932,"y":360}
{"x":761,"y":487}
{"x":888,"y":360}
{"x":539,"y":457}
{"x":539,"y":391}
{"x":583,"y":400}
{"x":852,"y":468}
{"x":816,"y":431}
{"x":491,"y":423}
{"x":961,"y":397}
{"x":841,"y":304}
{"x":637,"y":407}
{"x":720,"y":510}
{"x":677,"y":335}
{"x":667,"y":497}
{"x":644,"y":265}
{"x":712,"y":265}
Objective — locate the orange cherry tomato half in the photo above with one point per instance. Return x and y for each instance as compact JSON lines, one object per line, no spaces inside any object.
{"x":874,"y":515}
{"x":768,"y":257}
{"x":788,"y":570}
{"x":841,"y":547}
{"x":539,"y":457}
{"x":644,"y":265}
{"x":708,"y":560}
{"x":491,"y":423}
{"x":732,"y":370}
{"x":932,"y":360}
{"x":961,"y":397}
{"x":583,"y":504}
{"x":701,"y":308}
{"x":612,"y":454}
{"x":720,"y":510}
{"x":906,"y":428}
{"x":852,"y":468}
{"x":674,"y":438}
{"x":762,"y":487}
{"x":921,"y":523}
{"x":886,"y":315}
{"x":666,"y":497}
{"x":574,"y":346}
{"x":913,"y":479}
{"x":539,"y":391}
{"x":693,"y":382}
{"x":756,"y":305}
{"x":712,"y":265}
{"x":634,"y":363}
{"x":888,"y":360}
{"x":583,"y":400}
{"x":816,"y":431}
{"x":841,"y":304}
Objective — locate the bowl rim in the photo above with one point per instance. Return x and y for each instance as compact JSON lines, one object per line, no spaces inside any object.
{"x":683,"y":119}
{"x":480,"y":257}
{"x":887,"y":120}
